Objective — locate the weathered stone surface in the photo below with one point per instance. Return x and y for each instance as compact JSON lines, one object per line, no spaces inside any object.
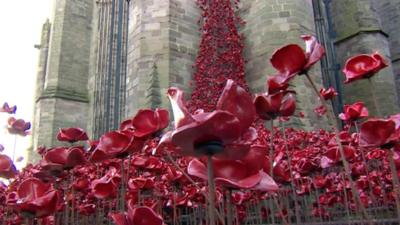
{"x":162,"y":32}
{"x":359,"y":31}
{"x":62,"y":95}
{"x":389,"y":13}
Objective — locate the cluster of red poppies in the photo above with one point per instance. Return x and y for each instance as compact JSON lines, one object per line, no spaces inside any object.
{"x":143,"y":175}
{"x":220,"y":53}
{"x":14,"y":127}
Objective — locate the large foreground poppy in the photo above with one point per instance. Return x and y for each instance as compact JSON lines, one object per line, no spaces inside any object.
{"x":239,"y":174}
{"x":36,"y":198}
{"x":218,"y":132}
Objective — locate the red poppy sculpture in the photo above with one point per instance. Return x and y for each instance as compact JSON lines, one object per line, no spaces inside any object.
{"x":328,"y":94}
{"x":217,"y":132}
{"x":116,"y":144}
{"x":106,"y":186}
{"x":291,"y":60}
{"x":146,"y":122}
{"x":363,"y":66}
{"x":7,"y":167}
{"x":72,"y":135}
{"x":271,"y":106}
{"x":276,"y":83}
{"x":379,"y":133}
{"x":7,"y":109}
{"x":238,"y":174}
{"x":57,"y":159}
{"x":19,"y":126}
{"x":36,"y":199}
{"x":354,"y":112}
{"x":137,"y":216}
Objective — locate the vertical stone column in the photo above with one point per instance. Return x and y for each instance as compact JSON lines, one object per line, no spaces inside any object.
{"x":43,"y":48}
{"x":270,"y":25}
{"x":359,"y":31}
{"x":164,"y":32}
{"x":64,"y":99}
{"x":389,"y":14}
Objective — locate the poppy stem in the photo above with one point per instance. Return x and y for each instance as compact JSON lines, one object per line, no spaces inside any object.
{"x":183,"y":172}
{"x":15,"y":147}
{"x":122,"y":190}
{"x":271,"y":151}
{"x":211,"y":190}
{"x":174,"y":220}
{"x":375,"y":99}
{"x":331,"y":119}
{"x":364,"y":161}
{"x":296,"y":205}
{"x":229,"y":207}
{"x":280,"y":210}
{"x":191,"y":181}
{"x":396,"y":185}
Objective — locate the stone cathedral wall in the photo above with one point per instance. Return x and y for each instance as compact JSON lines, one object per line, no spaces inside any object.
{"x":359,"y":29}
{"x":166,"y":33}
{"x":62,"y":94}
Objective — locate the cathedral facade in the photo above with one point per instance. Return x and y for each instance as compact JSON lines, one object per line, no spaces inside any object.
{"x":102,"y":60}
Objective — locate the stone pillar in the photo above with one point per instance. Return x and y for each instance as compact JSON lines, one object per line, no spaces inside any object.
{"x":43,"y":48}
{"x":164,"y":32}
{"x":271,"y":24}
{"x":359,"y":30}
{"x":389,"y":14}
{"x":64,"y":99}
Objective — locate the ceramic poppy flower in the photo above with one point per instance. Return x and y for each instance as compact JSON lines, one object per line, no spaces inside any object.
{"x":141,"y":183}
{"x":213,"y":132}
{"x":72,"y":134}
{"x":271,"y":106}
{"x":137,"y":216}
{"x":146,"y":122}
{"x":7,"y":168}
{"x":276,"y":83}
{"x":291,"y":60}
{"x":106,"y":186}
{"x":66,"y":158}
{"x":81,"y":184}
{"x":241,"y":174}
{"x":7,"y":109}
{"x":19,"y":126}
{"x":115,"y":144}
{"x":379,"y":133}
{"x":363,"y":66}
{"x":333,"y":153}
{"x":320,"y":110}
{"x":36,"y":198}
{"x":354,"y":112}
{"x":328,"y":94}
{"x":305,"y":166}
{"x":376,"y":154}
{"x":172,"y":175}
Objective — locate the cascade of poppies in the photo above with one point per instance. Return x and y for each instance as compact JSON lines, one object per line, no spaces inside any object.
{"x":220,"y":53}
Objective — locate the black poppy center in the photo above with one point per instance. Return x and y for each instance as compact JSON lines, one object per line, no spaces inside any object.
{"x":209,"y":147}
